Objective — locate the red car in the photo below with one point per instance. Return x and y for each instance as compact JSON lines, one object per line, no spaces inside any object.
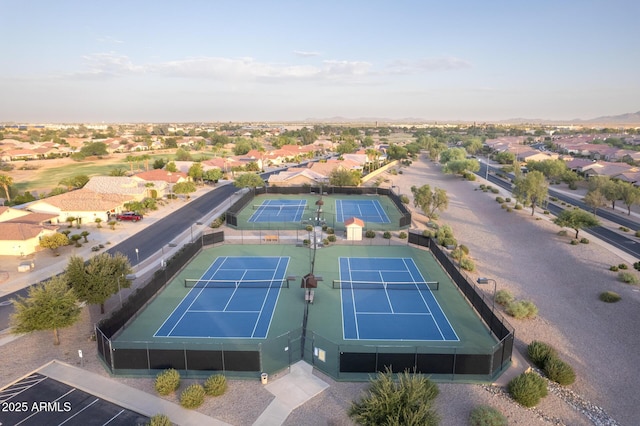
{"x":132,"y":216}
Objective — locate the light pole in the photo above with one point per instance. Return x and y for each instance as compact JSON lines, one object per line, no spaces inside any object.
{"x":484,"y":280}
{"x":137,"y":256}
{"x":486,"y":171}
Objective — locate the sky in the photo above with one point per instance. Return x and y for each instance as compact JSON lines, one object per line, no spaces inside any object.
{"x":218,"y":61}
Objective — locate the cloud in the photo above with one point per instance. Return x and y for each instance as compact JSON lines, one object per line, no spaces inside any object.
{"x":444,"y":63}
{"x":305,"y":53}
{"x":107,"y":65}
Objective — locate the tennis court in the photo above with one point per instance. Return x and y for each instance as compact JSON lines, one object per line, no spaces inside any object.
{"x":234,"y":298}
{"x":367,"y":210}
{"x":278,"y":210}
{"x":389,"y":299}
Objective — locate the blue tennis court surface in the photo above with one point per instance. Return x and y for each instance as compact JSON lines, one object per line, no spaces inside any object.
{"x":367,"y":210}
{"x":372,"y":309}
{"x":242,"y":309}
{"x":279,"y":211}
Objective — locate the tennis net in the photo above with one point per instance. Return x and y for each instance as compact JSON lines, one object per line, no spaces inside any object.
{"x":387,"y":285}
{"x":199,"y":283}
{"x":279,"y":207}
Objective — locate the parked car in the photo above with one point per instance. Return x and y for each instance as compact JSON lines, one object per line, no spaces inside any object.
{"x":132,"y":216}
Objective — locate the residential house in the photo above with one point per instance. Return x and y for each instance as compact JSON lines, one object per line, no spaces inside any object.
{"x":160,"y":181}
{"x":122,"y":185}
{"x":21,"y":231}
{"x":83,"y":203}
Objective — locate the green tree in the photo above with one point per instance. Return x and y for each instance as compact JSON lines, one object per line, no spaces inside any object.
{"x":473,"y":145}
{"x":195,"y":172}
{"x":159,"y":163}
{"x":630,"y":195}
{"x":185,"y":188}
{"x":552,"y":169}
{"x":96,"y":281}
{"x":118,"y":171}
{"x":49,"y":306}
{"x":171,"y":167}
{"x":347,"y":147}
{"x":430,"y":201}
{"x":459,"y":167}
{"x":6,"y":182}
{"x":182,"y":155}
{"x":396,"y":152}
{"x":453,"y":154}
{"x":531,"y":189}
{"x":94,"y":148}
{"x":54,"y":241}
{"x":595,"y":199}
{"x":248,"y":180}
{"x":407,"y":401}
{"x":212,"y":175}
{"x":505,"y":157}
{"x":576,"y":219}
{"x":344,"y":177}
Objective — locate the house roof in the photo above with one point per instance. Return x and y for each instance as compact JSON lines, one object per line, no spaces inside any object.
{"x":12,"y":231}
{"x":354,"y":221}
{"x":161,"y":175}
{"x":84,"y":200}
{"x":115,"y":185}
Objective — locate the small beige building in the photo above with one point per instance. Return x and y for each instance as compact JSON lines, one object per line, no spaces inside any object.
{"x":354,"y":228}
{"x":20,"y":231}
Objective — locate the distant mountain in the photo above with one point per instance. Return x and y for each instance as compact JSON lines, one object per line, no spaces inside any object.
{"x":628,"y":118}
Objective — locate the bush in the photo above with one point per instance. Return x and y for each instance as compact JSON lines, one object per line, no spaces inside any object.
{"x":527,"y":389}
{"x":559,"y":371}
{"x":404,"y":199}
{"x":192,"y":396}
{"x":485,"y":415}
{"x":545,"y":212}
{"x":584,"y":240}
{"x":449,"y":242}
{"x":503,"y":206}
{"x":402,"y":235}
{"x":610,"y":297}
{"x":308,"y":228}
{"x":499,"y":200}
{"x":522,"y":309}
{"x":539,"y":352}
{"x":160,"y":420}
{"x":638,"y":233}
{"x":325,"y":241}
{"x":636,"y":266}
{"x":464,"y":249}
{"x":509,"y":209}
{"x":386,"y":235}
{"x":331,"y":238}
{"x":167,"y":381}
{"x":623,"y":229}
{"x":518,"y":207}
{"x":370,"y":234}
{"x":574,"y":242}
{"x":495,"y":190}
{"x":428,"y":233}
{"x":628,"y":278}
{"x":623,"y":266}
{"x":467,"y":264}
{"x":613,"y":268}
{"x":331,"y":231}
{"x":215,"y":385}
{"x":508,"y":199}
{"x":503,"y":297}
{"x":218,"y":222}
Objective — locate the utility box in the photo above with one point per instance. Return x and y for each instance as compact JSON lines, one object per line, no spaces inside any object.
{"x":264,"y":378}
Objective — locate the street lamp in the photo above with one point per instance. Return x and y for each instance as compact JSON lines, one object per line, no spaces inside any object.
{"x":137,"y":256}
{"x":484,"y":280}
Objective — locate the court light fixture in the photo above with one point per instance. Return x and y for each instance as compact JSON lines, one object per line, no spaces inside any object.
{"x":485,"y":280}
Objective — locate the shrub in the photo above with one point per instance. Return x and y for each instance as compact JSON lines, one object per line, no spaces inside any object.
{"x":215,"y":385}
{"x":527,"y":389}
{"x":518,"y":207}
{"x":638,"y":233}
{"x":545,"y":212}
{"x":574,"y":242}
{"x":406,"y":400}
{"x":464,"y":249}
{"x":192,"y":396}
{"x":428,"y":233}
{"x":402,"y":235}
{"x":623,"y":229}
{"x":483,"y":186}
{"x":449,"y":242}
{"x":610,"y":297}
{"x":636,"y":266}
{"x":325,"y":241}
{"x":467,"y":264}
{"x":495,"y":190}
{"x":218,"y":222}
{"x":584,"y":240}
{"x":324,"y":228}
{"x":522,"y":309}
{"x":503,"y":297}
{"x":470,"y":177}
{"x":457,"y":254}
{"x":331,"y":231}
{"x":160,"y":420}
{"x":167,"y":381}
{"x":559,"y":371}
{"x":503,"y":206}
{"x":308,"y":228}
{"x":370,"y":234}
{"x":331,"y":238}
{"x":613,"y":268}
{"x":539,"y":352}
{"x":509,"y":209}
{"x":404,"y":199}
{"x":306,"y":242}
{"x":623,"y":266}
{"x":485,"y":415}
{"x":386,"y":235}
{"x":628,"y":278}
{"x":499,"y":200}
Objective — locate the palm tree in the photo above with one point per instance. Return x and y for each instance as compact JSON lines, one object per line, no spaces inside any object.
{"x":6,"y":182}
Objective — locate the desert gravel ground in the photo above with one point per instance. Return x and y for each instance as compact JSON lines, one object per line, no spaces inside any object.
{"x":525,"y":256}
